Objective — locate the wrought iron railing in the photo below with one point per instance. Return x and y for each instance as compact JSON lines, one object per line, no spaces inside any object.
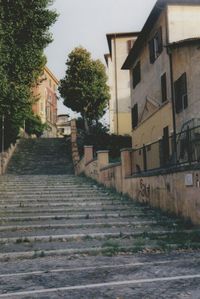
{"x":162,"y":153}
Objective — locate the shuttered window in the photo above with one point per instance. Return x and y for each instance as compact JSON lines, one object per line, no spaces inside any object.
{"x":155,"y":46}
{"x":164,"y":87}
{"x":134,"y":116}
{"x":181,"y":97}
{"x":136,"y":74}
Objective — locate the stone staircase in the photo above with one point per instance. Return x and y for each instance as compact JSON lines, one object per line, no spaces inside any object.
{"x":63,"y":236}
{"x":48,"y":156}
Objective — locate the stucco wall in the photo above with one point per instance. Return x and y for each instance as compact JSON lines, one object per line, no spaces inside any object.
{"x":183,"y":22}
{"x":151,"y":129}
{"x":169,"y":191}
{"x":150,"y":88}
{"x":119,"y":83}
{"x":124,"y":121}
{"x":150,"y":84}
{"x":186,"y":59}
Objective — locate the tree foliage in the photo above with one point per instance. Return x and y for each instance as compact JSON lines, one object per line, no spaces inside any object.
{"x":84,"y":87}
{"x":34,"y":125}
{"x":24,"y":33}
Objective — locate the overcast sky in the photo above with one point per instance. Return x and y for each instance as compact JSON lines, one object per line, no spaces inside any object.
{"x":86,"y":22}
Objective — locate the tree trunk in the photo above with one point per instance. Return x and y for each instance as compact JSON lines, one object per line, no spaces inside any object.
{"x":87,"y":129}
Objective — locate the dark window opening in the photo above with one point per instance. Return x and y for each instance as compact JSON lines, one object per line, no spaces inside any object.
{"x":181,"y":97}
{"x":135,"y":116}
{"x":164,"y":87}
{"x":155,"y":46}
{"x":136,"y":74}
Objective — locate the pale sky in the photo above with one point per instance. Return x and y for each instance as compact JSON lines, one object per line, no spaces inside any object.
{"x":86,"y":22}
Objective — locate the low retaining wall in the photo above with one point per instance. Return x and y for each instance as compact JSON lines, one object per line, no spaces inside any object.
{"x":6,"y":156}
{"x":177,"y":191}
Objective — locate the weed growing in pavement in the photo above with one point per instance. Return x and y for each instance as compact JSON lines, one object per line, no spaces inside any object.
{"x":110,"y":247}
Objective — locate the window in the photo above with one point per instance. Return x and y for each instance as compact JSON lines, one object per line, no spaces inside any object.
{"x":134,"y":116}
{"x":136,"y":74}
{"x":181,"y":98}
{"x":155,"y":46}
{"x":164,"y":87}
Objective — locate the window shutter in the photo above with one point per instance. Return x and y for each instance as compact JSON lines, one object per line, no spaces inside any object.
{"x":181,"y":98}
{"x":151,"y":51}
{"x":134,"y":116}
{"x":164,"y":87}
{"x":136,"y":74}
{"x":184,"y":91}
{"x":160,"y":41}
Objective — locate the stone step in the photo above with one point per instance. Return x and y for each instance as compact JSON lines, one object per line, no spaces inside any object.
{"x":62,"y":200}
{"x":6,"y":210}
{"x":75,"y":215}
{"x":29,"y":234}
{"x":52,"y":192}
{"x":80,"y":234}
{"x":108,"y":243}
{"x":79,"y":225}
{"x":63,"y":203}
{"x":61,"y":220}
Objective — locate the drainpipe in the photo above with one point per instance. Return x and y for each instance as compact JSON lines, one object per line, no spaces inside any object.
{"x":173,"y":103}
{"x":116,"y":87}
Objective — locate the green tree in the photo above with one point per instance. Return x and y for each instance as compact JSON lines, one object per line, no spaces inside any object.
{"x":84,"y":87}
{"x":34,"y":125}
{"x":24,"y":33}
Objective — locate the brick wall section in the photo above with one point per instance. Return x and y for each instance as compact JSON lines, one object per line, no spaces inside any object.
{"x":177,"y":192}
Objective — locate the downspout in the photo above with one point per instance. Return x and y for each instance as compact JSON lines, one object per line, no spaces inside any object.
{"x":173,"y":104}
{"x":116,"y":87}
{"x":169,"y":52}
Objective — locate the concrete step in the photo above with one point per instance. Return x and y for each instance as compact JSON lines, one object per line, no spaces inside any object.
{"x":107,"y":243}
{"x":31,"y":232}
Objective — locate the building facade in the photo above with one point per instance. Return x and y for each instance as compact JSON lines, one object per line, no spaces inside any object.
{"x":118,"y":81}
{"x":46,"y":103}
{"x":165,"y":72}
{"x":63,"y":125}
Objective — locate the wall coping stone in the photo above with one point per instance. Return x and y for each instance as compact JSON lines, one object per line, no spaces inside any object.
{"x":103,"y":151}
{"x":128,"y":149}
{"x":164,"y":171}
{"x":93,"y":160}
{"x":112,"y":165}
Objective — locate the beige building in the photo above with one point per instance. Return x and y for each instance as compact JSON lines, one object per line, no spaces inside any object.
{"x":164,"y":68}
{"x":46,"y":104}
{"x":119,"y":82}
{"x":63,"y":125}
